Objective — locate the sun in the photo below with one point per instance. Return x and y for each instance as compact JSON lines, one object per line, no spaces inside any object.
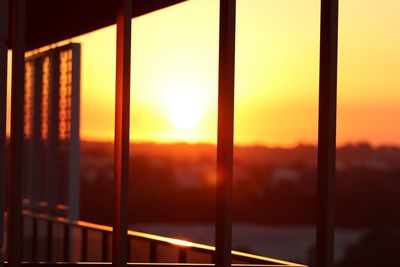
{"x":184,"y":109}
{"x":185,"y":103}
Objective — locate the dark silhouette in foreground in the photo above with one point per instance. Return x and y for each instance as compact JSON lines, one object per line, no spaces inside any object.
{"x":377,"y":248}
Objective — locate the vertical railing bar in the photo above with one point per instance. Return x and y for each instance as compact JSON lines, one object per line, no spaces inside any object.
{"x":17,"y":133}
{"x":128,"y":249}
{"x":67,"y":241}
{"x":49,"y":241}
{"x":182,"y":255}
{"x":153,"y":252}
{"x":4,"y":9}
{"x":74,"y":143}
{"x":104,"y":246}
{"x":327,"y":133}
{"x":34,"y":153}
{"x":23,"y":234}
{"x":121,"y":132}
{"x":34,"y":239}
{"x":84,"y":244}
{"x":226,"y":81}
{"x":53,"y":144}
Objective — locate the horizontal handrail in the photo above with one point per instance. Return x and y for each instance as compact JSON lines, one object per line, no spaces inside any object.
{"x":182,"y":245}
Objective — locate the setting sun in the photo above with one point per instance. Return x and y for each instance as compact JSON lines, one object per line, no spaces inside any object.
{"x":184,"y":110}
{"x":183,"y":100}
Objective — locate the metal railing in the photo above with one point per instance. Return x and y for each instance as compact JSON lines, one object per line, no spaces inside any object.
{"x":55,"y":239}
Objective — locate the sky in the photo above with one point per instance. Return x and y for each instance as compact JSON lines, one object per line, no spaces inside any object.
{"x":175,"y":70}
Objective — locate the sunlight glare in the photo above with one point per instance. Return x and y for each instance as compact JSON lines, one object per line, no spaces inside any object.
{"x":179,"y":242}
{"x":184,"y":105}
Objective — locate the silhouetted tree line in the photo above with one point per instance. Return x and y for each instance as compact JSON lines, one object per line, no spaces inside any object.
{"x":265,"y":191}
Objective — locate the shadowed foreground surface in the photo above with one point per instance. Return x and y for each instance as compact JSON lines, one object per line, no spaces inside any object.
{"x":77,"y":264}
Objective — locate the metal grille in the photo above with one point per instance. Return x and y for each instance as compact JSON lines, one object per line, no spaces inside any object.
{"x":65,"y":94}
{"x":45,"y":98}
{"x":28,"y":101}
{"x":64,"y":120}
{"x":51,"y":121}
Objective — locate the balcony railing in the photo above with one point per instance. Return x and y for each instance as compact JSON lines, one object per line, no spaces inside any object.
{"x":55,"y":239}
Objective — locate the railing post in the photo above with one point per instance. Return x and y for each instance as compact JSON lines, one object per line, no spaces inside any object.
{"x":17,"y":133}
{"x":121,"y":132}
{"x":104,"y":246}
{"x":49,"y":241}
{"x":73,"y":155}
{"x":3,"y":108}
{"x":35,"y":143}
{"x":34,"y":242}
{"x":53,"y":142}
{"x":84,"y":243}
{"x":128,"y":249}
{"x":153,"y":252}
{"x":327,"y":132}
{"x":182,"y":255}
{"x":67,"y":241}
{"x":226,"y":79}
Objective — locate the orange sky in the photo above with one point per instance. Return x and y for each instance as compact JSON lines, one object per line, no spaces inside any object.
{"x":175,"y":57}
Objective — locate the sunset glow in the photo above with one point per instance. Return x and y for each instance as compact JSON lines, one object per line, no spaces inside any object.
{"x":175,"y":69}
{"x":184,"y":103}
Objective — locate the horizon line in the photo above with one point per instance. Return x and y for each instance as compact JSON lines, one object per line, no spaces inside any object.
{"x":243,"y":144}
